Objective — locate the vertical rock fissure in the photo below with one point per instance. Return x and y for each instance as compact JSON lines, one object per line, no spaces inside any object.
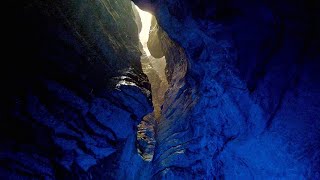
{"x":154,"y":68}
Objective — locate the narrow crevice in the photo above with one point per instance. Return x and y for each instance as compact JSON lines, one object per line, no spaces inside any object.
{"x":154,"y":68}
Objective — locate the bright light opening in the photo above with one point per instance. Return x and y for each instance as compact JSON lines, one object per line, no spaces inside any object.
{"x":155,"y":70}
{"x":144,"y":34}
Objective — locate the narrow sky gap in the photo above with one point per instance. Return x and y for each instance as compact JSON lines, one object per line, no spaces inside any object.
{"x":144,"y":34}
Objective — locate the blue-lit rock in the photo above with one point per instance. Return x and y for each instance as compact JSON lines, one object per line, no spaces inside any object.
{"x":247,"y":107}
{"x":243,"y":97}
{"x":74,"y":98}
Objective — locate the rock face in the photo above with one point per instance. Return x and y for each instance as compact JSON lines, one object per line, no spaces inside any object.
{"x":243,"y":97}
{"x":244,"y":89}
{"x":74,"y":91}
{"x":154,"y":44}
{"x":146,"y":137}
{"x":154,"y":68}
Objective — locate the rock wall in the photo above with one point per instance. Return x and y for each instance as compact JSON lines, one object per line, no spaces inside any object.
{"x":154,"y":68}
{"x":244,"y":89}
{"x":154,"y":42}
{"x":243,"y":97}
{"x":73,"y":91}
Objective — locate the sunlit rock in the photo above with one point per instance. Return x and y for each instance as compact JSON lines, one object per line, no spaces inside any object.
{"x":154,"y":44}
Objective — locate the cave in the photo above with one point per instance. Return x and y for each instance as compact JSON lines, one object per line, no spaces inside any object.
{"x":154,"y":68}
{"x":170,"y":89}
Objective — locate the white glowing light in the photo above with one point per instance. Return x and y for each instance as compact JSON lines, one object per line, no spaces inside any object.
{"x":144,"y":34}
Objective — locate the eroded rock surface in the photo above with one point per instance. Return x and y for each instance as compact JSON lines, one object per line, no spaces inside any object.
{"x":154,"y":44}
{"x":74,"y":91}
{"x":244,"y":99}
{"x":154,"y":68}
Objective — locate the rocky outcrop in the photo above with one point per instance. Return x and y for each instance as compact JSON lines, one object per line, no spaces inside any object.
{"x":244,"y":99}
{"x":154,"y":44}
{"x":74,"y":91}
{"x":146,"y":137}
{"x":154,"y":68}
{"x":137,"y":17}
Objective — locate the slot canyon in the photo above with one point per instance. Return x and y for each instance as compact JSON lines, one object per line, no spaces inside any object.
{"x":160,"y":89}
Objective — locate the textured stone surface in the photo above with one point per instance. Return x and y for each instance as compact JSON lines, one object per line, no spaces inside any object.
{"x":247,"y":106}
{"x":146,"y":137}
{"x":154,"y":68}
{"x":154,"y":44}
{"x":74,"y":91}
{"x":243,"y":98}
